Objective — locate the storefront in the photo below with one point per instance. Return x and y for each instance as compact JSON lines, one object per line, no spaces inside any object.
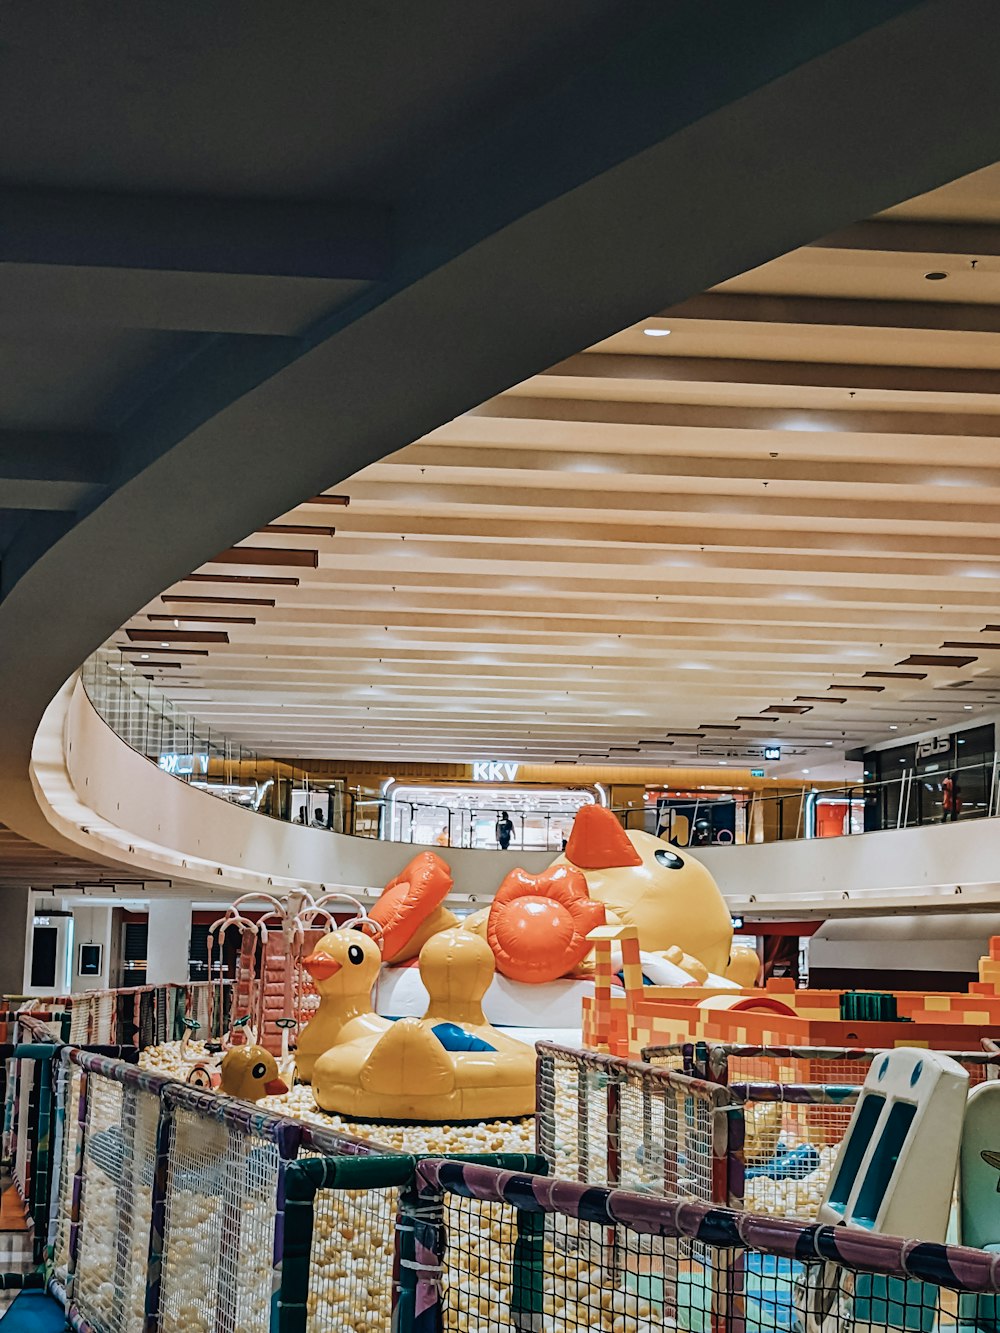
{"x":930,"y":779}
{"x":467,"y":815}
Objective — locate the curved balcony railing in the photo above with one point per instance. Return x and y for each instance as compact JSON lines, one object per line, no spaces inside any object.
{"x":166,"y":734}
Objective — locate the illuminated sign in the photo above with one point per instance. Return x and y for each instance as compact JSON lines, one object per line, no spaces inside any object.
{"x":933,"y":746}
{"x":772,"y":751}
{"x":756,"y":772}
{"x":183,"y":764}
{"x":493,"y":770}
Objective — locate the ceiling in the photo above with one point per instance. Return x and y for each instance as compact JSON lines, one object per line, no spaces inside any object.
{"x":776,"y":524}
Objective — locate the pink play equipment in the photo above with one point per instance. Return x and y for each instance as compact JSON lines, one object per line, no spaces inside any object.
{"x":272,"y":992}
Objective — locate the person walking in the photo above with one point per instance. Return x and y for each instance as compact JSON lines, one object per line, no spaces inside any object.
{"x":505,"y":831}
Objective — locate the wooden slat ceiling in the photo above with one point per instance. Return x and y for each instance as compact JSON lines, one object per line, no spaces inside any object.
{"x":747,"y":525}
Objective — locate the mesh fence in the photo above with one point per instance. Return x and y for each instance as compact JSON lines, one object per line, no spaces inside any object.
{"x":792,"y":1135}
{"x":608,"y":1121}
{"x":351,"y":1259}
{"x":548,"y":1259}
{"x":103,"y":1167}
{"x":218,"y":1241}
{"x":836,"y":1066}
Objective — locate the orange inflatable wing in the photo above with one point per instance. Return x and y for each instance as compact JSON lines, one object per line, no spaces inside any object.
{"x":538,"y":924}
{"x":408,"y":901}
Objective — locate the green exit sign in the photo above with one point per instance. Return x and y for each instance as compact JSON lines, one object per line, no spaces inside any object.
{"x":756,"y":772}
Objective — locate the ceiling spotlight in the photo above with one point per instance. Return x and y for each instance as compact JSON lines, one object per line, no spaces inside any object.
{"x":658,"y":333}
{"x":935,"y":276}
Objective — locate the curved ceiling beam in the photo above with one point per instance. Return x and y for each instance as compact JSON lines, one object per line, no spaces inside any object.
{"x":708,"y":142}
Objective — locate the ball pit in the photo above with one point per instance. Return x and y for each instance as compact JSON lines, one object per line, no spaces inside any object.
{"x":351,"y":1282}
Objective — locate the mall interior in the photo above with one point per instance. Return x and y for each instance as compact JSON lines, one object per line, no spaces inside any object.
{"x":500,"y":667}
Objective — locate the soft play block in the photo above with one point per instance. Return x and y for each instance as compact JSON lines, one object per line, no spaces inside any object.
{"x":895,"y":1169}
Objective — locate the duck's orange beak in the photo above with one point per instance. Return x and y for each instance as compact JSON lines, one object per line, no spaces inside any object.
{"x":274,"y":1087}
{"x":321,"y":966}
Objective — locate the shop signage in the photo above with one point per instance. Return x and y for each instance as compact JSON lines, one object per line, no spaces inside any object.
{"x":183,"y":764}
{"x":493,"y":770}
{"x":772,"y":751}
{"x":756,"y":772}
{"x":932,"y":747}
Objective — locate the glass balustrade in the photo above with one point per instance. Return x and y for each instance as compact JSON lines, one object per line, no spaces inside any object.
{"x":167,"y":735}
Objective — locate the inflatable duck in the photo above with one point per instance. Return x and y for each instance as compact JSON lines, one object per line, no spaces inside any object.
{"x":250,"y":1072}
{"x":344,"y":967}
{"x":410,"y":909}
{"x":450,"y":1065}
{"x":537,"y":925}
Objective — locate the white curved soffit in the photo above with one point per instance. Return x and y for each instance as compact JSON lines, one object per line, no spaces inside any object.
{"x":111,"y":803}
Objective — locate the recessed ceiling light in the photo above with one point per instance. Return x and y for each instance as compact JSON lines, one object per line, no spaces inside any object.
{"x":967,"y":707}
{"x":145,"y":657}
{"x":805,"y":772}
{"x":164,"y":644}
{"x":656,"y":333}
{"x":723,"y":762}
{"x":936,"y":275}
{"x":893,"y":727}
{"x":829,"y":742}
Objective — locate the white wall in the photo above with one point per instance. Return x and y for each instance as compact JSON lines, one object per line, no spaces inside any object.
{"x":168,"y":949}
{"x":929,"y":943}
{"x":940,"y":867}
{"x":91,"y":925}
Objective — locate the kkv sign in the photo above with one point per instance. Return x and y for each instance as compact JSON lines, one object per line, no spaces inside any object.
{"x":491,"y":770}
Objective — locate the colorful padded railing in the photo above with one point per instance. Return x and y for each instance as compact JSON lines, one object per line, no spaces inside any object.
{"x":176,"y":1209}
{"x":492,"y":1249}
{"x":148,"y":1015}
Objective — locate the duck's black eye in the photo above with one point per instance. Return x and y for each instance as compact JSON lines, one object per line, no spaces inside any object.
{"x":669,"y":859}
{"x":356,"y":954}
{"x":259,"y":1070}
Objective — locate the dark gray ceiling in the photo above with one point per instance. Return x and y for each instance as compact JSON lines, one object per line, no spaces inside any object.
{"x":316,"y":99}
{"x":246,"y":249}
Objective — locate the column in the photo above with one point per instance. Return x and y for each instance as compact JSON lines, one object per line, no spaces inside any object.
{"x":169,"y":945}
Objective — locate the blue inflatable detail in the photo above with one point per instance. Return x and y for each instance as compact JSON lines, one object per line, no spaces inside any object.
{"x":454,"y":1038}
{"x":787,"y":1165}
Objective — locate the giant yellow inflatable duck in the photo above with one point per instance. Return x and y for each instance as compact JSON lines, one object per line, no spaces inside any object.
{"x":450,"y":1065}
{"x":537,"y":925}
{"x":669,"y":897}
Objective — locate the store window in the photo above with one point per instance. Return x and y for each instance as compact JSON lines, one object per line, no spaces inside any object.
{"x":473,"y":816}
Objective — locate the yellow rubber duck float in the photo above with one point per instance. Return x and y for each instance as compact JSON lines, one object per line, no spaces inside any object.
{"x":450,"y":1065}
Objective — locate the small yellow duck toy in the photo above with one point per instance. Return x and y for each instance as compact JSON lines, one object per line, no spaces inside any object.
{"x":250,"y":1072}
{"x":450,"y":1065}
